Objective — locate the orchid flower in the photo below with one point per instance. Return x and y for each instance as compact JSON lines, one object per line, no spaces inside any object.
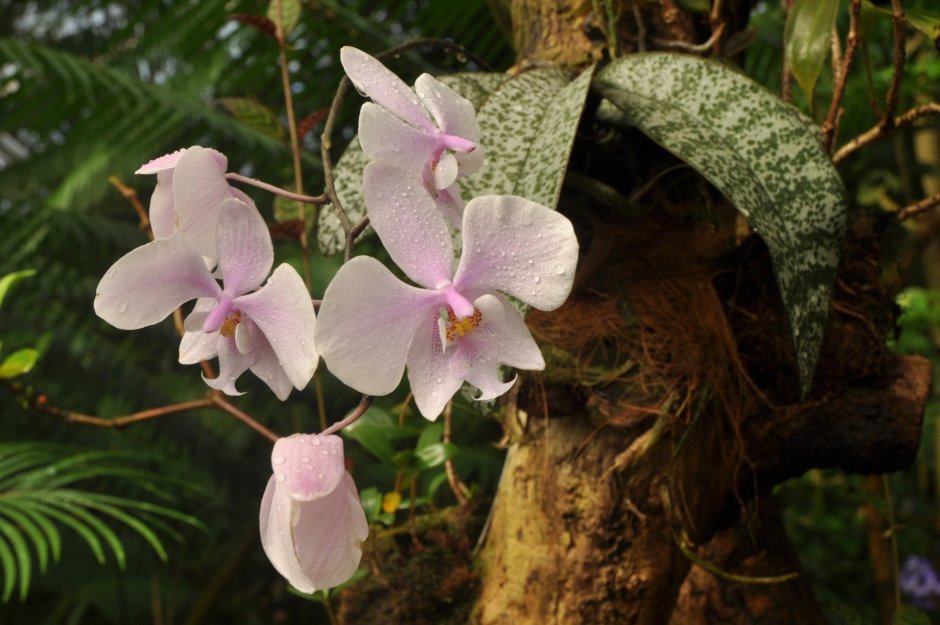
{"x":190,"y":189}
{"x":312,"y":521}
{"x":460,"y":326}
{"x":268,"y":330}
{"x":431,"y":131}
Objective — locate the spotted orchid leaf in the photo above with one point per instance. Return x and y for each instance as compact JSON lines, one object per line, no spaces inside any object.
{"x":760,"y":153}
{"x":475,"y":86}
{"x":528,"y":126}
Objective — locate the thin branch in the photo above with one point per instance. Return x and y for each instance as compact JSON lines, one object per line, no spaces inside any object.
{"x":353,"y":416}
{"x":694,"y":48}
{"x":123,"y":421}
{"x":831,"y":125}
{"x":459,"y":489}
{"x":716,"y":18}
{"x":920,"y":207}
{"x":883,"y":130}
{"x":223,"y":404}
{"x":294,"y":140}
{"x":900,"y":54}
{"x":318,"y":200}
{"x":353,"y":233}
{"x":130,"y":194}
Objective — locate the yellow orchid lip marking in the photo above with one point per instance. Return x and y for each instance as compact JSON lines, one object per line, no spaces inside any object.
{"x":231,"y":321}
{"x":462,"y":327}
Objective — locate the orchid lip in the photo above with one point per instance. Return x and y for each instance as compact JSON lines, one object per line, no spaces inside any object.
{"x":461,"y":307}
{"x":457,"y":144}
{"x":218,"y":315}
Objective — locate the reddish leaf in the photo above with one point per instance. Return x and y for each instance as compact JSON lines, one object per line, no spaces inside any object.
{"x":258,"y":22}
{"x":307,"y":123}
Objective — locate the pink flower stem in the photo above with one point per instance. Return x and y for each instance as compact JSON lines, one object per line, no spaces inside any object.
{"x":306,"y":199}
{"x":353,"y":416}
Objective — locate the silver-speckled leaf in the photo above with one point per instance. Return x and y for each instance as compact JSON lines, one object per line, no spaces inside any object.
{"x":527,"y":127}
{"x":475,"y":86}
{"x":759,"y":152}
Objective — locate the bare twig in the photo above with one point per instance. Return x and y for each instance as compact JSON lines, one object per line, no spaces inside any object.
{"x":305,"y":199}
{"x":718,"y":26}
{"x":459,"y":489}
{"x":831,"y":125}
{"x":919,"y":207}
{"x":130,"y":194}
{"x":294,"y":140}
{"x":694,"y":48}
{"x":119,"y":422}
{"x":883,"y":130}
{"x":223,"y":404}
{"x":900,"y":54}
{"x":352,"y":417}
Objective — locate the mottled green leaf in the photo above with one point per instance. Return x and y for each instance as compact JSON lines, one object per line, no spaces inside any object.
{"x":527,"y":127}
{"x":290,"y":11}
{"x":7,"y":281}
{"x":434,"y":455}
{"x":475,"y":86}
{"x":761,"y":154}
{"x":18,"y":363}
{"x":255,"y":115}
{"x":806,"y":40}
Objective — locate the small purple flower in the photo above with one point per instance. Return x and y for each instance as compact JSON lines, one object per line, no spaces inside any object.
{"x":312,"y":522}
{"x":920,"y":582}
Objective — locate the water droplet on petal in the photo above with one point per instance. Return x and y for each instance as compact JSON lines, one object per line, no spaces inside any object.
{"x":316,"y":440}
{"x":537,"y":279}
{"x":281,"y":477}
{"x":122,"y":307}
{"x":278,"y":460}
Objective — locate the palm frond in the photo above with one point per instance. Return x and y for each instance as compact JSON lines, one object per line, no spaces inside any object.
{"x":38,"y":494}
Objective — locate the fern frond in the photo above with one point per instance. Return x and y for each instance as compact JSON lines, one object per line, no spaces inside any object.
{"x":37,"y":494}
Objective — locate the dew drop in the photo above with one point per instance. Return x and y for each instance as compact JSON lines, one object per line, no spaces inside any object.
{"x":316,"y":441}
{"x":281,"y":477}
{"x":122,"y":307}
{"x":305,"y":459}
{"x":537,"y":279}
{"x":279,"y":460}
{"x":320,"y":475}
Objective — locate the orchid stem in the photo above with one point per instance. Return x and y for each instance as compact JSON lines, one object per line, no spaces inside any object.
{"x":130,"y":194}
{"x":353,"y":416}
{"x":459,"y":489}
{"x":300,"y":197}
{"x":223,"y":404}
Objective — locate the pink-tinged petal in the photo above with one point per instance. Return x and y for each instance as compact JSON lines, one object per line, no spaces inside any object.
{"x":453,"y":113}
{"x":244,"y":246}
{"x":450,"y":204}
{"x":385,"y":137}
{"x":503,"y":325}
{"x":308,"y":466}
{"x":148,"y":283}
{"x":313,"y":544}
{"x":471,"y":162}
{"x":199,"y":188}
{"x":516,"y":246}
{"x":198,"y":346}
{"x":433,"y":375}
{"x":409,"y":223}
{"x":366,"y":324}
{"x":162,"y":213}
{"x":484,"y":374}
{"x":169,"y":161}
{"x":197,"y":316}
{"x":445,"y":172}
{"x":373,"y":79}
{"x":283,"y":311}
{"x":232,"y":364}
{"x":266,"y":365}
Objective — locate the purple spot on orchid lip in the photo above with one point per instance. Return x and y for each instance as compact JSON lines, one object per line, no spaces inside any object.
{"x":215,"y":319}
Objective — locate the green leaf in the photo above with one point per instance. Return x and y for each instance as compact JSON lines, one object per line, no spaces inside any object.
{"x":290,"y":11}
{"x":475,"y":86}
{"x":9,"y":569}
{"x":910,"y":616}
{"x":375,"y":431}
{"x":18,"y":363}
{"x":23,"y":561}
{"x":430,"y":435}
{"x":434,"y":455}
{"x":527,"y":127}
{"x":806,"y":40}
{"x":7,"y":281}
{"x":762,"y":154}
{"x":255,"y":115}
{"x":695,"y":6}
{"x":924,"y":21}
